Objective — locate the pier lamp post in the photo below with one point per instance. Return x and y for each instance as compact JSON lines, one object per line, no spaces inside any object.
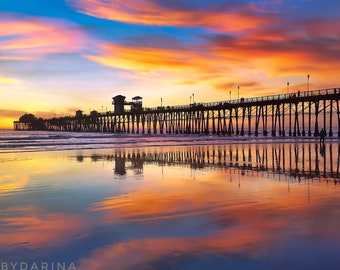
{"x":193,"y":98}
{"x":287,"y":87}
{"x":161,"y":102}
{"x":190,"y":100}
{"x":230,"y":96}
{"x":308,"y":76}
{"x":238,"y":93}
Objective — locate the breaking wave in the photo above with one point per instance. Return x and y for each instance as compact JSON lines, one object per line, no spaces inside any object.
{"x":36,"y":141}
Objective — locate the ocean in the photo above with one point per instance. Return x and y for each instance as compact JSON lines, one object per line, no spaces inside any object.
{"x":121,"y":201}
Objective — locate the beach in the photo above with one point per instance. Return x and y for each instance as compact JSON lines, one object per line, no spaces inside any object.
{"x":104,"y":201}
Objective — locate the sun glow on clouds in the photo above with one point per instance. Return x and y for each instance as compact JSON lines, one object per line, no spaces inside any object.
{"x":8,"y":81}
{"x":24,"y":39}
{"x":253,"y":36}
{"x":226,"y":54}
{"x":178,"y":68}
{"x":25,"y":44}
{"x":221,"y":64}
{"x":149,"y":59}
{"x":153,"y":13}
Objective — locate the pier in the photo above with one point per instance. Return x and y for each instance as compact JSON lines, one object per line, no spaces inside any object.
{"x":291,"y":114}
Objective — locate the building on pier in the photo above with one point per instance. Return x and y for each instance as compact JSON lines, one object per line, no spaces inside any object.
{"x":79,"y":114}
{"x":94,"y":113}
{"x":119,"y":103}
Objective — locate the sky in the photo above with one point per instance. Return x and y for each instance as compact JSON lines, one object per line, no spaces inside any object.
{"x":58,"y":56}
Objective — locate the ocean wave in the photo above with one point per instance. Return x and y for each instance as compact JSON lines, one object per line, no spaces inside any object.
{"x":36,"y":141}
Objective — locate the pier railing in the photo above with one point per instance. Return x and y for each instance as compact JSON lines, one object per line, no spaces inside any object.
{"x":313,"y":93}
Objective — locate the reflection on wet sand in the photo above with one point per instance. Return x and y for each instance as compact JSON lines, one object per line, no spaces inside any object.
{"x":34,"y":231}
{"x":27,"y":232}
{"x":298,"y":161}
{"x":213,"y":223}
{"x":197,"y":207}
{"x":174,"y":253}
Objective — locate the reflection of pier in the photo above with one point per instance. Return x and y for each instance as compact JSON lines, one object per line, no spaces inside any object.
{"x":296,"y":114}
{"x":298,"y":161}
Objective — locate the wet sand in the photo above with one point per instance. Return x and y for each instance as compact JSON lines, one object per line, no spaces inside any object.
{"x":262,"y":206}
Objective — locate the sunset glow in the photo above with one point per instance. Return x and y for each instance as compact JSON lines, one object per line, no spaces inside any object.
{"x":63,"y":56}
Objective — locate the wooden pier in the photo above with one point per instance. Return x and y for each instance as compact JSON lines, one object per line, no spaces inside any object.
{"x":294,"y":114}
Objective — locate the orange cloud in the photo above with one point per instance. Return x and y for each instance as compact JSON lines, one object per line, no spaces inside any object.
{"x":152,"y":13}
{"x":282,"y":54}
{"x":259,"y":59}
{"x":147,"y":59}
{"x":223,"y":64}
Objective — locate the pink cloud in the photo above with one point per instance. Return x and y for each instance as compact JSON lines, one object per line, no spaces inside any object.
{"x":35,"y":37}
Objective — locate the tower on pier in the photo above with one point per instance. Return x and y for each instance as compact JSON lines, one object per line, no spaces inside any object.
{"x":136,"y":104}
{"x":118,"y":102}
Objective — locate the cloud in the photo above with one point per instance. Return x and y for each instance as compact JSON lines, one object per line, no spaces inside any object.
{"x":30,"y":37}
{"x":281,"y":45}
{"x":221,"y":17}
{"x":233,"y":85}
{"x":222,"y":61}
{"x":144,"y":59}
{"x":298,"y":47}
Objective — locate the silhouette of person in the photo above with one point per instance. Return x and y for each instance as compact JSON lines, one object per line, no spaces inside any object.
{"x":322,"y":136}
